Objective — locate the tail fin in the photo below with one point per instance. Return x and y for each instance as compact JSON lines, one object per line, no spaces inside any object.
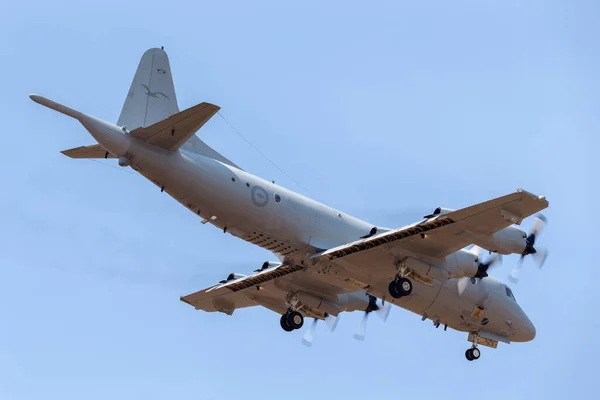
{"x":151,"y":97}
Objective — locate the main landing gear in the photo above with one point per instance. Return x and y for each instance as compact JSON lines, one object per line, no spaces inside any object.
{"x":400,"y":287}
{"x":472,"y":354}
{"x":291,"y":320}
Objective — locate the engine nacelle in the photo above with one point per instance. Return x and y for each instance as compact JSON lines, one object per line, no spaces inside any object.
{"x":510,"y":240}
{"x":422,"y":268}
{"x":461,"y":263}
{"x":355,"y":301}
{"x":302,"y":299}
{"x":345,"y":302}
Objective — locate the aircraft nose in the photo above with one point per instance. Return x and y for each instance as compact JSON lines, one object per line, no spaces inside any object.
{"x":526,"y":332}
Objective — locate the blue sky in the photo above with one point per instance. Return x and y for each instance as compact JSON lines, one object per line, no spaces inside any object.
{"x":383,"y":110}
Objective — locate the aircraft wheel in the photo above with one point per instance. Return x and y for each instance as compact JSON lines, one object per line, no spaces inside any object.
{"x":295,"y":319}
{"x":472,"y":354}
{"x":284,"y":324}
{"x":404,"y":286}
{"x":393,"y":289}
{"x":468,"y":355}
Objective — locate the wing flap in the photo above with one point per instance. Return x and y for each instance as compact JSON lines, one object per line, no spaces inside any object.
{"x":92,"y":151}
{"x":171,"y":133}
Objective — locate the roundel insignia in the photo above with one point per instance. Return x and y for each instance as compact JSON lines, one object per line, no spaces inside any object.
{"x":260,"y":198}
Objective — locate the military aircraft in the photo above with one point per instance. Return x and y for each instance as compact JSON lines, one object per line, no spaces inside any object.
{"x":325,"y":261}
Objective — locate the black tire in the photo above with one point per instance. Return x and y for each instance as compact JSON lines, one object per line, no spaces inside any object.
{"x":468,"y":355}
{"x":404,"y":286}
{"x":295,"y":320}
{"x":284,"y":324}
{"x":393,"y":289}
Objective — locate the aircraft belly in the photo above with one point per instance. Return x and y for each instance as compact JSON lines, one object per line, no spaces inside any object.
{"x":244,"y":205}
{"x":210,"y":188}
{"x":446,"y":308}
{"x":421,"y":298}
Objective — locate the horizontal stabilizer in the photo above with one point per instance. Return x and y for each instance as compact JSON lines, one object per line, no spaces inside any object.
{"x":92,"y":151}
{"x":172,"y":132}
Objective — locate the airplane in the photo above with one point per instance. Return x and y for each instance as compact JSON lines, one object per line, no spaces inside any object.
{"x":326,"y":262}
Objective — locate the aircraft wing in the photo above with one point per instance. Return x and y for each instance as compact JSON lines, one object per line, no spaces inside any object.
{"x":268,"y":288}
{"x":443,"y":235}
{"x":171,"y":133}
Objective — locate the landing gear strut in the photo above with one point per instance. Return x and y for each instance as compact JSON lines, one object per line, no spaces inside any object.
{"x":400,"y":287}
{"x":291,"y":320}
{"x":472,"y":354}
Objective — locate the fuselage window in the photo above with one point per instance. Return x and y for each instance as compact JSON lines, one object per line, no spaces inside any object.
{"x":509,"y":293}
{"x":277,"y":198}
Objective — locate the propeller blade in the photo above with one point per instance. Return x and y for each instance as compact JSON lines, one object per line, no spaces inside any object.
{"x":516,"y":271}
{"x":332,"y":322}
{"x":540,"y":257}
{"x":478,"y":251}
{"x":483,"y":267}
{"x":538,"y":225}
{"x":307,"y":339}
{"x":384,"y":311}
{"x":362,"y":329}
{"x":494,"y":259}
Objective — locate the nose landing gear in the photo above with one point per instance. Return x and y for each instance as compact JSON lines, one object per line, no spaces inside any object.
{"x":291,"y":320}
{"x":472,"y":354}
{"x":400,"y":287}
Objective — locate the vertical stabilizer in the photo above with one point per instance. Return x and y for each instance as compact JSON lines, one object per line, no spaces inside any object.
{"x":151,"y":97}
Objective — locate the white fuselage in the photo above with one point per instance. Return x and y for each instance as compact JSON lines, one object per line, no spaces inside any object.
{"x":248,"y":206}
{"x":293,"y":226}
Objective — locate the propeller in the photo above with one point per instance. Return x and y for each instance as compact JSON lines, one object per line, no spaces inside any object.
{"x":307,"y":339}
{"x":383,"y":311}
{"x":482,"y":267}
{"x":539,"y":254}
{"x":330,"y":320}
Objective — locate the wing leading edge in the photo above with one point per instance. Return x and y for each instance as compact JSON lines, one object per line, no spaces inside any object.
{"x":440,"y":236}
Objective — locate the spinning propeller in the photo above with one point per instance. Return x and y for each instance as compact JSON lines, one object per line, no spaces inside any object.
{"x":331,"y":321}
{"x":539,"y":254}
{"x":482,"y":267}
{"x":383,"y":311}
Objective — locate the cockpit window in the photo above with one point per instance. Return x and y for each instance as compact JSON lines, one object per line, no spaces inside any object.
{"x":509,"y":293}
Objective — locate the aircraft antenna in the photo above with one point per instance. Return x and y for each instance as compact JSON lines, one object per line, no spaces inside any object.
{"x":263,"y":154}
{"x":113,"y":166}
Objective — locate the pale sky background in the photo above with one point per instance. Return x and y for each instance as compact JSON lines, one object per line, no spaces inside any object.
{"x":380,"y":109}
